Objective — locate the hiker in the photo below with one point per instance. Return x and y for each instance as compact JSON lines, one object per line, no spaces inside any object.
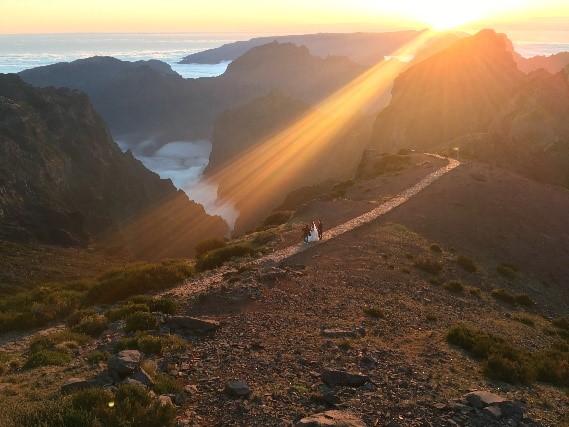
{"x":306,"y":233}
{"x":319,"y":226}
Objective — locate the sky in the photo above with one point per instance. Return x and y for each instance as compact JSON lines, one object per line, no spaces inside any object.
{"x":275,"y":16}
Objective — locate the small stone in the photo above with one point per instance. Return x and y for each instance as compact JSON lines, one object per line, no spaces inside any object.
{"x":124,"y":363}
{"x":142,"y":376}
{"x":332,"y":418}
{"x":165,"y":400}
{"x":481,"y":399}
{"x":236,"y":388}
{"x":334,"y":378}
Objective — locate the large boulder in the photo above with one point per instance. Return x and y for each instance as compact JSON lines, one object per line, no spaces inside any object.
{"x":125,"y":363}
{"x":334,"y":378}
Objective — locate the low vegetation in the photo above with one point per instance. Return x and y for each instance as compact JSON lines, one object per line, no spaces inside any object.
{"x":140,"y":321}
{"x":454,"y":286}
{"x":53,"y":349}
{"x":428,"y":264}
{"x":275,"y":219}
{"x":511,"y":298}
{"x":504,"y":361}
{"x":339,"y":189}
{"x":127,"y":405}
{"x":375,"y":312}
{"x":92,"y":325}
{"x":466,"y":263}
{"x":205,"y":246}
{"x":507,"y":270}
{"x":218,"y":257}
{"x":389,"y":163}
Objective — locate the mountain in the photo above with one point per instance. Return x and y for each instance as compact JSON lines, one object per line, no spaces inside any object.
{"x":363,"y":48}
{"x":458,"y":91}
{"x":553,"y":63}
{"x":473,"y":97}
{"x":64,"y":181}
{"x":144,"y":101}
{"x":261,"y":134}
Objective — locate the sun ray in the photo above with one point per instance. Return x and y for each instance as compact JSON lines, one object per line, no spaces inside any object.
{"x":257,"y":179}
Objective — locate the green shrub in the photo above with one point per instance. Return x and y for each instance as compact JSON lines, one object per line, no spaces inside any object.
{"x":474,"y":292}
{"x":431,"y":318}
{"x":92,"y":325}
{"x":77,"y":315}
{"x":276,"y":218}
{"x":374,"y":312}
{"x":138,"y":279}
{"x":129,"y":405}
{"x":525,"y":320}
{"x":46,"y":357}
{"x":218,"y":257}
{"x":122,"y":311}
{"x":163,"y":305}
{"x":126,"y":343}
{"x":261,"y":238}
{"x":505,"y":362}
{"x":339,"y":189}
{"x":165,"y":384}
{"x":205,"y":246}
{"x":140,"y":321}
{"x":503,"y":295}
{"x":466,"y":263}
{"x":524,"y":299}
{"x":428,"y":264}
{"x":97,"y":356}
{"x":149,"y":344}
{"x":389,"y":163}
{"x":507,"y":270}
{"x":454,"y":286}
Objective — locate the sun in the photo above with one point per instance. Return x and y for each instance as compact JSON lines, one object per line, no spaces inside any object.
{"x":443,"y":15}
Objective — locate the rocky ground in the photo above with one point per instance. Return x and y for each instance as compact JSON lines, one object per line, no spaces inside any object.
{"x":348,"y":325}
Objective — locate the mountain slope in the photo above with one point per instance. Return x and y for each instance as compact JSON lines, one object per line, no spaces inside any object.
{"x":64,"y":181}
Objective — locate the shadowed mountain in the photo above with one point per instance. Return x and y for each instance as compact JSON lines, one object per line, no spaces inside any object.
{"x":64,"y":181}
{"x":256,"y":132}
{"x":553,"y":63}
{"x":146,"y":101}
{"x":363,"y":48}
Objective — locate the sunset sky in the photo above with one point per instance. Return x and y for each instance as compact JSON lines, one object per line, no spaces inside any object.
{"x":61,"y":16}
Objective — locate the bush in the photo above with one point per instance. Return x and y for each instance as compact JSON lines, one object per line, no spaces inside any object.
{"x":525,"y":320}
{"x":76,"y":317}
{"x":428,"y":264}
{"x":150,"y":345}
{"x":374,"y":312}
{"x":561,"y":323}
{"x":390,"y":163}
{"x":276,"y":219}
{"x":436,"y":248}
{"x":218,"y":257}
{"x":205,"y":246}
{"x":505,"y":296}
{"x":92,"y":325}
{"x":140,"y":321}
{"x":507,"y":270}
{"x":466,"y":263}
{"x":97,"y":356}
{"x":125,"y":310}
{"x":261,"y":238}
{"x":155,"y":304}
{"x":454,"y":286}
{"x":339,"y":189}
{"x":138,"y":279}
{"x":129,"y":405}
{"x":46,"y":357}
{"x":505,"y":362}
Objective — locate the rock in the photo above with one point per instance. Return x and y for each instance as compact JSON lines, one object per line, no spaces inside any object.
{"x":133,"y":382}
{"x":342,"y":378}
{"x":493,"y":411}
{"x":331,"y":419}
{"x":270,"y":274}
{"x":510,"y":409}
{"x":481,"y":399}
{"x":165,"y":400}
{"x":195,"y":324}
{"x":236,"y":388}
{"x":191,"y":389}
{"x":74,"y":384}
{"x":141,"y":376}
{"x":124,"y":363}
{"x":179,"y":399}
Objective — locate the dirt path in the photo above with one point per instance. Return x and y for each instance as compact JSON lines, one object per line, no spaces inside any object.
{"x":19,"y":341}
{"x":202,"y":283}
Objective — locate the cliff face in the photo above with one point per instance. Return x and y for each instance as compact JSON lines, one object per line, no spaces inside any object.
{"x":455,"y":92}
{"x":245,"y":135}
{"x":472,"y":96}
{"x":553,"y":63}
{"x":64,"y":181}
